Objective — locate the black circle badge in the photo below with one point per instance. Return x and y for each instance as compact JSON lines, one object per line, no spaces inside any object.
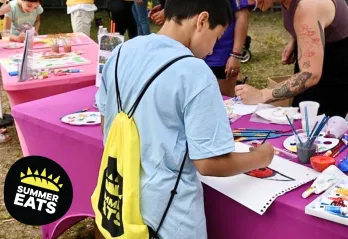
{"x":37,"y":191}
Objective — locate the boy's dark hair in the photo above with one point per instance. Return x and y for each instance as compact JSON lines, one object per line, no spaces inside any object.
{"x":40,"y":1}
{"x":220,"y":12}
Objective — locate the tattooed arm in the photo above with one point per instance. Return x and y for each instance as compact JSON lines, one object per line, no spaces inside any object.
{"x":310,"y":41}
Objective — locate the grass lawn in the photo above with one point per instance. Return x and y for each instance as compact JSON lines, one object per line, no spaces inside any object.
{"x":268,"y":40}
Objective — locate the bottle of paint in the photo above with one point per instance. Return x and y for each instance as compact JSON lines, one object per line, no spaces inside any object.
{"x":342,"y":211}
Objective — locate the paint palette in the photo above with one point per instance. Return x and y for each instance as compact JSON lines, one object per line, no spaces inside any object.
{"x":13,"y":45}
{"x":83,"y":118}
{"x":324,"y":144}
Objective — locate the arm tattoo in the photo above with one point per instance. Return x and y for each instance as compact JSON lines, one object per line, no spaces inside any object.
{"x":292,"y":87}
{"x":322,"y":34}
{"x":310,"y":39}
{"x":306,"y":64}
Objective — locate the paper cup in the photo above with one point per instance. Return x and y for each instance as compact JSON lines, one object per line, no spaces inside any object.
{"x":336,"y":126}
{"x":312,"y":109}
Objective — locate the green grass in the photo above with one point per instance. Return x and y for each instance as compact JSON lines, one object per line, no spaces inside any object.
{"x":268,"y":40}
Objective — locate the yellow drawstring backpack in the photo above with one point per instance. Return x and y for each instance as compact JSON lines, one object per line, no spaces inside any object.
{"x":116,"y":198}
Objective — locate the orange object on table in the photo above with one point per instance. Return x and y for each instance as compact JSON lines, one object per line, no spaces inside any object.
{"x":320,"y":163}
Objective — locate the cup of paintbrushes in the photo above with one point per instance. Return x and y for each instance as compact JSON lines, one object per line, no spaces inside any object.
{"x":305,"y":147}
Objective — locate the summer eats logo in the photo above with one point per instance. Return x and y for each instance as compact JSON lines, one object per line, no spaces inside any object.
{"x":37,"y":191}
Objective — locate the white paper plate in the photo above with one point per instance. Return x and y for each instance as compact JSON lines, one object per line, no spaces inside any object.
{"x":13,"y":45}
{"x":324,"y":144}
{"x":83,"y":118}
{"x":277,"y":115}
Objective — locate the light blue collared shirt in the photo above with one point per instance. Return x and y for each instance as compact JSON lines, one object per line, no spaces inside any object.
{"x":183,"y":104}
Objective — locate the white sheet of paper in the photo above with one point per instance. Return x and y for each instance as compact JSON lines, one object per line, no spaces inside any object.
{"x":258,"y":194}
{"x":239,"y":108}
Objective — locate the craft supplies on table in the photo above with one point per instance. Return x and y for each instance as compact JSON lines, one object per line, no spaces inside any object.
{"x":236,"y":106}
{"x":76,"y":39}
{"x":323,"y":144}
{"x":332,"y":205}
{"x":241,"y":135}
{"x":277,"y":115}
{"x":45,"y":60}
{"x":280,"y":152}
{"x":279,"y":178}
{"x":81,"y":118}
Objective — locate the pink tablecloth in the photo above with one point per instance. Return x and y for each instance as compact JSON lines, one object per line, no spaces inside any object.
{"x":78,"y":150}
{"x":20,"y":92}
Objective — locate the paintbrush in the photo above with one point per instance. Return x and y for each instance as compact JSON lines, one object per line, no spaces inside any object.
{"x":266,"y":138}
{"x":293,"y":129}
{"x":340,"y":151}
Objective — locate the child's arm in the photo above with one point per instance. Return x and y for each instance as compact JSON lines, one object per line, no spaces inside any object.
{"x":7,"y":26}
{"x":236,"y":163}
{"x":5,"y":8}
{"x":37,"y":24}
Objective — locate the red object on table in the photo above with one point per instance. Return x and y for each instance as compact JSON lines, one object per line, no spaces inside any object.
{"x":79,"y":150}
{"x":320,"y":163}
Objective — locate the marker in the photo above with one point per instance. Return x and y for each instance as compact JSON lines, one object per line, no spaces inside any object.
{"x":13,"y":73}
{"x":76,"y":71}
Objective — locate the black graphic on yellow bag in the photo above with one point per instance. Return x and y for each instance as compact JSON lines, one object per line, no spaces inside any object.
{"x":116,"y":199}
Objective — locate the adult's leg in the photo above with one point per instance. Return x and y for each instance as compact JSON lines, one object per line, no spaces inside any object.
{"x":81,"y":21}
{"x":130,"y":20}
{"x":142,"y":18}
{"x":136,"y":17}
{"x":120,"y":21}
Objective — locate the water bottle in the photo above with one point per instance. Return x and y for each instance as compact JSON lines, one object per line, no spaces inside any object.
{"x":100,"y":31}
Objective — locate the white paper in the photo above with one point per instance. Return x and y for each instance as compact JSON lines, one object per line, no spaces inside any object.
{"x":237,"y":107}
{"x":107,"y":44}
{"x":258,"y":194}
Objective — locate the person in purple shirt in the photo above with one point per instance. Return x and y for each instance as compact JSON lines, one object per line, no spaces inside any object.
{"x":225,"y":60}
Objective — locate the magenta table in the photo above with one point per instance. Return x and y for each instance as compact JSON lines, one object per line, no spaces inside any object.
{"x":20,"y":92}
{"x":79,"y":149}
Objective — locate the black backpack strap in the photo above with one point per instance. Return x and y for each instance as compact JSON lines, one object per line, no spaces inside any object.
{"x":173,"y":192}
{"x":134,"y":107}
{"x":119,"y":102}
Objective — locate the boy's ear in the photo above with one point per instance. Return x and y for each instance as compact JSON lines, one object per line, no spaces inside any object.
{"x":202,"y":20}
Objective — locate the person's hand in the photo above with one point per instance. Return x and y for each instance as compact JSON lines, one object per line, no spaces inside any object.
{"x":288,"y":56}
{"x":265,"y":153}
{"x":249,"y":95}
{"x":19,"y":38}
{"x":36,"y":33}
{"x":158,"y":17}
{"x":232,"y":68}
{"x":154,"y":10}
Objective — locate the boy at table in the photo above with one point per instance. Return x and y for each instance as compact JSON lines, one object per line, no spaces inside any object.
{"x":183,"y":105}
{"x":319,"y":47}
